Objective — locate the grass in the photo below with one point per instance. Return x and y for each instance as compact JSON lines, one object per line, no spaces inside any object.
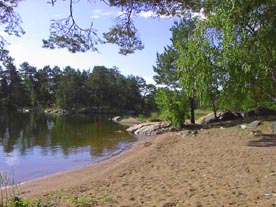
{"x":154,"y":116}
{"x":10,"y":197}
{"x":202,"y":112}
{"x":8,"y":191}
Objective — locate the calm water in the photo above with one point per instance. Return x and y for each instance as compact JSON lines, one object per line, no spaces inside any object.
{"x":37,"y":145}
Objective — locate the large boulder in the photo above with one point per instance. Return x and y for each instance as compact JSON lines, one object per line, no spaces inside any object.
{"x":150,"y":128}
{"x":229,"y":115}
{"x":223,"y":116}
{"x":260,"y":112}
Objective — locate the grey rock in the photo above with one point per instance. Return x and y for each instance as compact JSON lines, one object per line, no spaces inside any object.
{"x":223,"y":116}
{"x":116,"y":118}
{"x":272,"y":126}
{"x":150,"y":128}
{"x":228,"y":115}
{"x":256,"y":133}
{"x":260,"y":112}
{"x":254,"y":124}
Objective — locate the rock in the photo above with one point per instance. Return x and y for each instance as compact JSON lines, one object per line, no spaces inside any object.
{"x":260,"y":112}
{"x":223,"y":116}
{"x":209,"y":118}
{"x":150,"y":128}
{"x":147,"y":144}
{"x":272,"y":126}
{"x":243,"y":126}
{"x":116,"y":118}
{"x":169,"y":204}
{"x":118,"y":132}
{"x":256,"y":133}
{"x":194,"y":132}
{"x":228,"y":115}
{"x":254,"y":124}
{"x":136,"y":127}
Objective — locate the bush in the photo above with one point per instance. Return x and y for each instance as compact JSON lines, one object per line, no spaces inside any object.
{"x":172,"y":106}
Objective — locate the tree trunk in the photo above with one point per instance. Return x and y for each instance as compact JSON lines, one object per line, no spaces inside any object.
{"x":214,"y":108}
{"x":192,"y":107}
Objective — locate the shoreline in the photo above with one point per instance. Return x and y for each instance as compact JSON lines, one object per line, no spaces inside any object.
{"x":223,"y":166}
{"x":31,"y":187}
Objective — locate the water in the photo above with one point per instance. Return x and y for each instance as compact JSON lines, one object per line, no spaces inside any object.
{"x":37,"y":145}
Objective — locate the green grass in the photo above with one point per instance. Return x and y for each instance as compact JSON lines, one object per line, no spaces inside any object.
{"x":154,"y":116}
{"x":202,"y":112}
{"x":8,"y":191}
{"x":10,"y":197}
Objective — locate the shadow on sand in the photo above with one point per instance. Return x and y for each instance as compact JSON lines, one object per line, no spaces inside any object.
{"x":265,"y":140}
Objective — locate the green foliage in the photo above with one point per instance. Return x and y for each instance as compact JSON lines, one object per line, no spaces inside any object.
{"x":166,"y":68}
{"x":227,"y":58}
{"x":202,"y":112}
{"x":81,"y":201}
{"x":102,"y":89}
{"x":9,"y":192}
{"x":172,"y":106}
{"x":124,"y":34}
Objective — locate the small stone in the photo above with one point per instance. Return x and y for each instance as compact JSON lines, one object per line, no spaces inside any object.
{"x":272,"y":126}
{"x":116,"y":119}
{"x":118,"y":132}
{"x":147,"y":144}
{"x":243,"y":126}
{"x":169,"y":204}
{"x":256,"y":133}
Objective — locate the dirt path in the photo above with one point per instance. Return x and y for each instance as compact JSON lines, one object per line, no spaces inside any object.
{"x":216,"y":167}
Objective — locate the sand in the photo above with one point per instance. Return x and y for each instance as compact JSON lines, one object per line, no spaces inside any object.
{"x":216,"y":167}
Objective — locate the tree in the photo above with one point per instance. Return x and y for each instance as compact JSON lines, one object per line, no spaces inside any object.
{"x":166,"y":68}
{"x":28,"y":75}
{"x":4,"y":90}
{"x":245,"y":35}
{"x":197,"y":62}
{"x":169,"y":72}
{"x":69,"y":90}
{"x":172,"y":106}
{"x":243,"y":57}
{"x":12,"y":86}
{"x":67,"y":32}
{"x":10,"y":21}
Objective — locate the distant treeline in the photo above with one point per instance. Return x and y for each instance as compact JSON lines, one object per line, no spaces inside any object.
{"x":68,"y":88}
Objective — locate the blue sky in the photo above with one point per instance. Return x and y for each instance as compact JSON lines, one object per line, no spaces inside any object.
{"x":36,"y":16}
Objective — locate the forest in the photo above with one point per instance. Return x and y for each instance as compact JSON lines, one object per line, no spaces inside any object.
{"x":97,"y":90}
{"x":222,"y":54}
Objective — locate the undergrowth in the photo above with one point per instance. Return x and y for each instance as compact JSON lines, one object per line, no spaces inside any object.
{"x":10,"y":197}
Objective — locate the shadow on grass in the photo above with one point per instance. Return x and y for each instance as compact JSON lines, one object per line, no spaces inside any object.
{"x":240,"y":121}
{"x":265,"y":140}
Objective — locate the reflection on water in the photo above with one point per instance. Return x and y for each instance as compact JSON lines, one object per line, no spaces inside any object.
{"x":36,"y":145}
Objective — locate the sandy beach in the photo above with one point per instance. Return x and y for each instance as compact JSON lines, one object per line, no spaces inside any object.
{"x":216,"y":167}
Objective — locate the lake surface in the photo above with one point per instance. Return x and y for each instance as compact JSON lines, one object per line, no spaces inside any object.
{"x":37,"y":145}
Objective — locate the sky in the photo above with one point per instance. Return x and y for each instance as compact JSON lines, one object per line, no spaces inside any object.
{"x":36,"y":16}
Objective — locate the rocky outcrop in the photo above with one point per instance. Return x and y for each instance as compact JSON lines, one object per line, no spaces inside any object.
{"x":116,"y":119}
{"x":223,"y":116}
{"x":260,"y":112}
{"x":150,"y":128}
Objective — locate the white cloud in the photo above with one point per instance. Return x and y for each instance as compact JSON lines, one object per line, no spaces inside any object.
{"x":3,"y":34}
{"x":151,"y":14}
{"x":147,"y":14}
{"x":98,"y":13}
